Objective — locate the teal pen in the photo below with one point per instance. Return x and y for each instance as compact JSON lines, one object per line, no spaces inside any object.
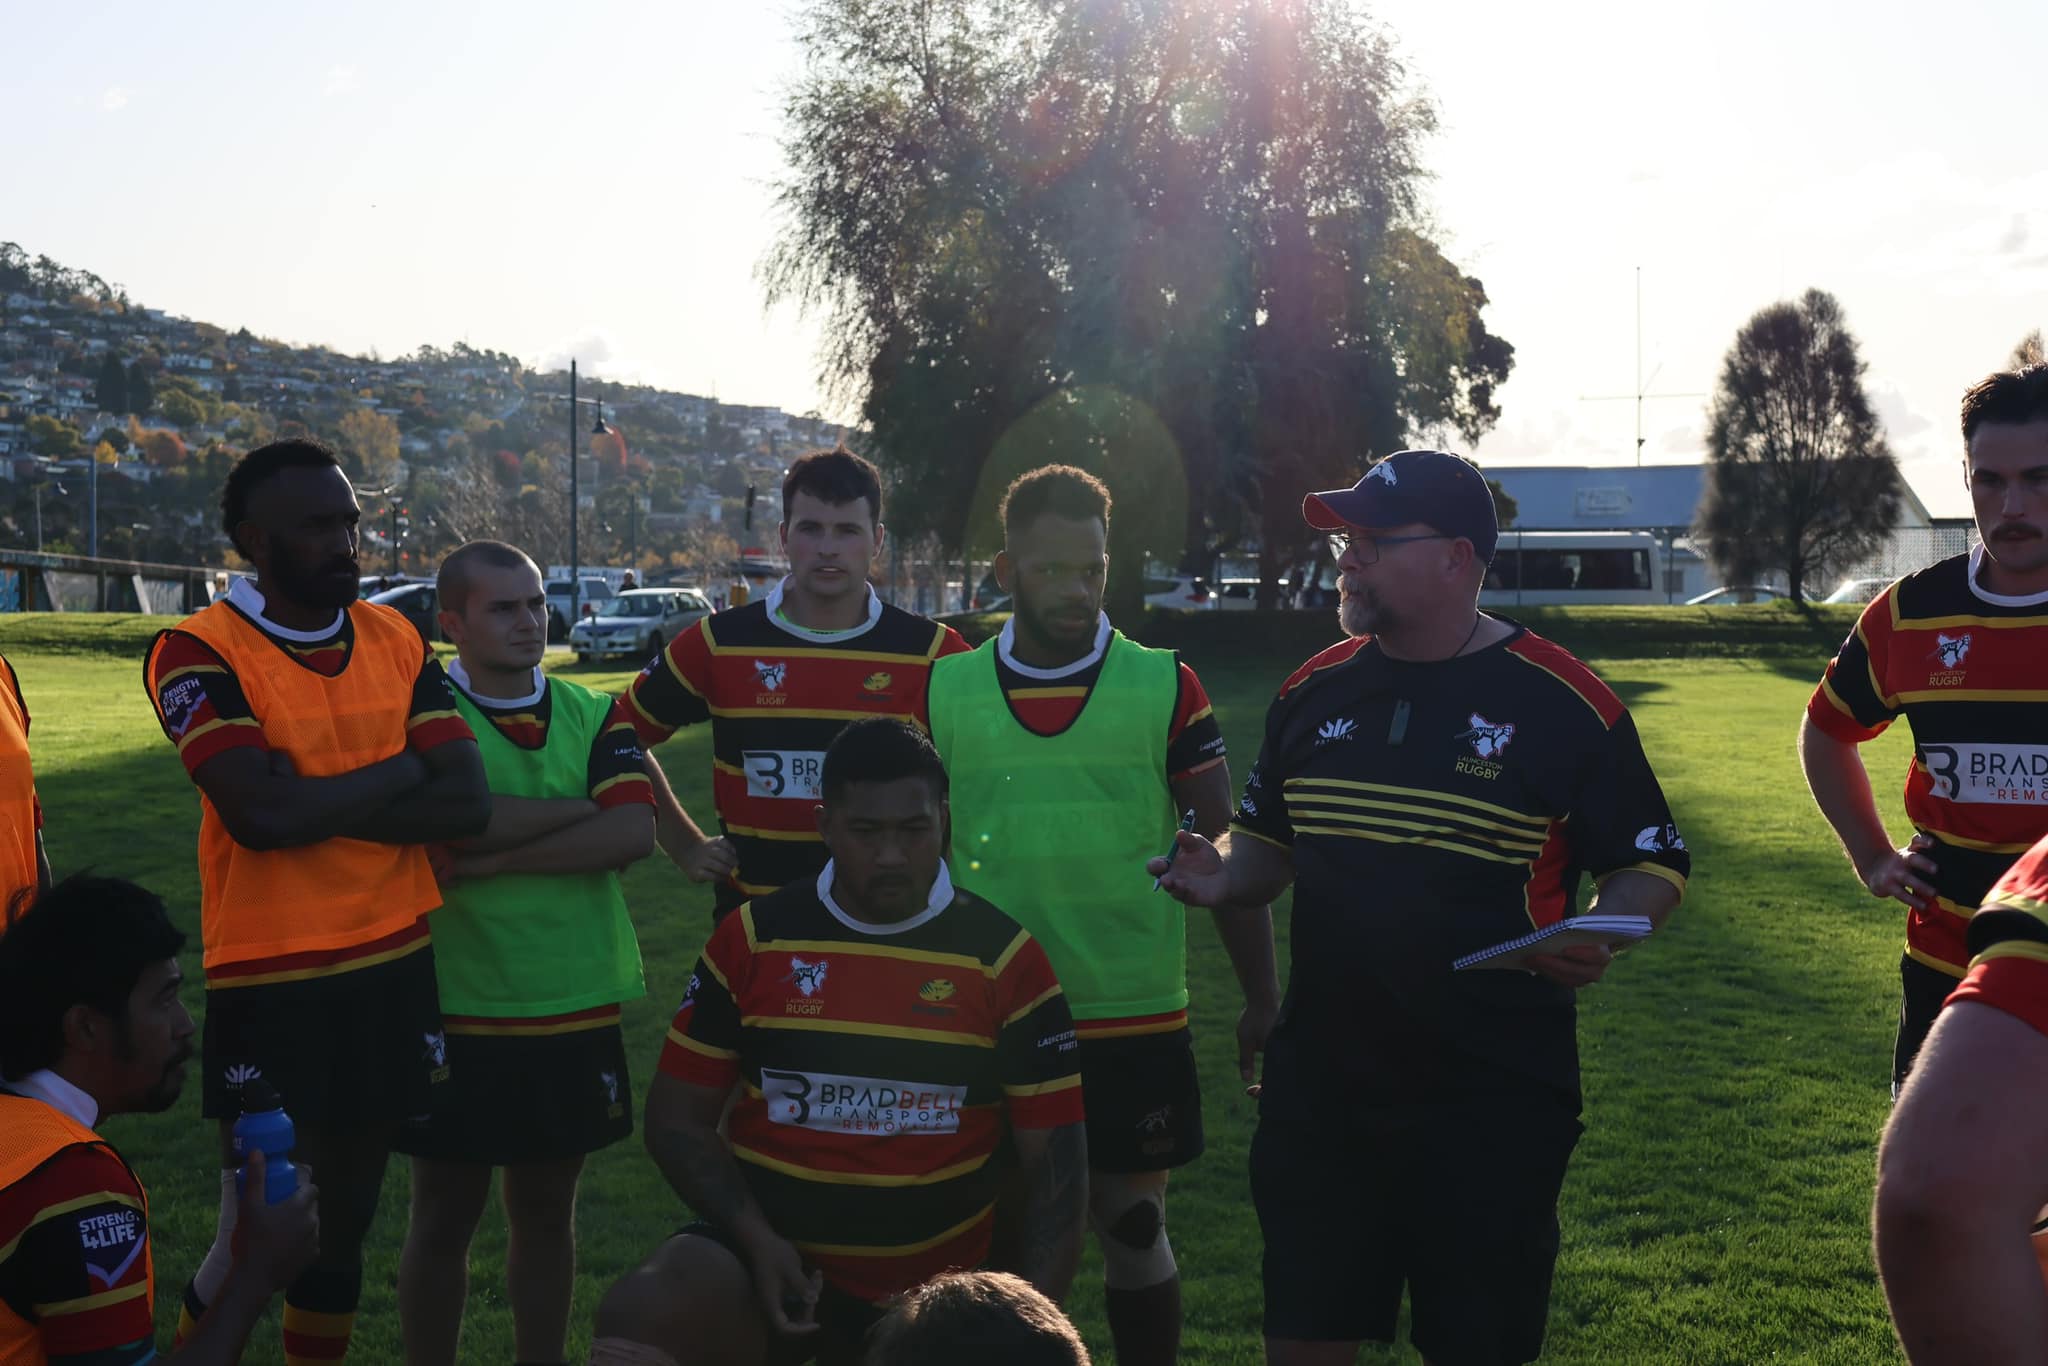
{"x":1187,"y":823}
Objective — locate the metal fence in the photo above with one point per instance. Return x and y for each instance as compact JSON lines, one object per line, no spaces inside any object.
{"x":1912,"y":548}
{"x":31,"y":581}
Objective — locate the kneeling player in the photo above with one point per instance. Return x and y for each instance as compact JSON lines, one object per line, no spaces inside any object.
{"x":885,"y":1035}
{"x":534,"y":953}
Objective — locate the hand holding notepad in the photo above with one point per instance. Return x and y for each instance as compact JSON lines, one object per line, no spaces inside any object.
{"x":1581,"y":929}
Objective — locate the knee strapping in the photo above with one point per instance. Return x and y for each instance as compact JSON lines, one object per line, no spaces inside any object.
{"x":1135,"y":1252}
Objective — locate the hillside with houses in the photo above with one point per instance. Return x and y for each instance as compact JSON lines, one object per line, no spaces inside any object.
{"x":102,"y":396}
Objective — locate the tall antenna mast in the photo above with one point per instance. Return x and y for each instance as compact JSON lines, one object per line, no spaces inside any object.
{"x":1639,"y":395}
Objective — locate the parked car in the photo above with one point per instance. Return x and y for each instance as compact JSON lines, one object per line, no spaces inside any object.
{"x":1183,"y":591}
{"x":595,"y":591}
{"x":417,"y":603}
{"x":1858,"y":590}
{"x":1237,"y":595}
{"x":1736,"y":596}
{"x":637,"y":622}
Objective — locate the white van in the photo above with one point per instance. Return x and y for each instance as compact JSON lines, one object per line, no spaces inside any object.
{"x":1546,"y":568}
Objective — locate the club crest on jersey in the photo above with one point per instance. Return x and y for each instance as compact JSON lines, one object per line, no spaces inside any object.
{"x":1949,"y":653}
{"x":1488,"y":738}
{"x":436,"y":1055}
{"x":1658,"y":839}
{"x":771,"y":675}
{"x":1383,"y":470}
{"x":809,"y":978}
{"x":877,"y":682}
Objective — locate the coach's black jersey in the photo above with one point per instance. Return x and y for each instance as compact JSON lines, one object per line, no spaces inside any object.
{"x":1437,"y":808}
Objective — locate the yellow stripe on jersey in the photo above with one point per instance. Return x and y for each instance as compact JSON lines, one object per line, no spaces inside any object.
{"x":1021,"y":1011}
{"x":1344,"y":785}
{"x":1653,"y":869}
{"x":959,"y":1230}
{"x":1236,"y":830}
{"x":49,"y":1212}
{"x":839,"y":1178}
{"x":758,"y":832}
{"x":777,"y":651}
{"x":88,"y":1303}
{"x":2014,"y":948}
{"x":165,"y":680}
{"x":1354,"y":833}
{"x":609,"y":783}
{"x":1528,"y":846}
{"x":1929,"y":960}
{"x":812,"y":1024}
{"x":1522,"y":834}
{"x":865,"y":950}
{"x":211,"y":726}
{"x":801,"y":713}
{"x":1974,"y":695}
{"x":682,"y":1040}
{"x":1044,"y":1088}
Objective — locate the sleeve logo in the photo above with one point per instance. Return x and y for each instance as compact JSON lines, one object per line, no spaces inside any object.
{"x":111,"y":1243}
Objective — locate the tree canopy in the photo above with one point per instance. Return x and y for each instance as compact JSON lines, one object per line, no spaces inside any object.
{"x":1180,"y":244}
{"x":1799,"y":478}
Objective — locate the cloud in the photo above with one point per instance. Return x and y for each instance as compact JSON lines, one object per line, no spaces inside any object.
{"x":595,"y":359}
{"x":114,"y":100}
{"x":2015,"y":240}
{"x":341,"y":80}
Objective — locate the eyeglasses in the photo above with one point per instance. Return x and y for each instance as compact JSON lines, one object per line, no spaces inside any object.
{"x":1366,"y":547}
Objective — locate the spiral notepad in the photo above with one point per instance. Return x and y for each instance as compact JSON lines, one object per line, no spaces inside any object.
{"x":1580,"y":929}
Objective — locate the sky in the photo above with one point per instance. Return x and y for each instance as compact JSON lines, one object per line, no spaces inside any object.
{"x":596,"y":181}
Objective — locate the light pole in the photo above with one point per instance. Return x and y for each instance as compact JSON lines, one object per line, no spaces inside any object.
{"x":596,"y":429}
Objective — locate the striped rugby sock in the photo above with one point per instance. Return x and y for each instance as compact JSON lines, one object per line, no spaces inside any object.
{"x":312,"y":1338}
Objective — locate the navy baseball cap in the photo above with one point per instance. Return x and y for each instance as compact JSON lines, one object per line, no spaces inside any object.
{"x":1435,"y":488}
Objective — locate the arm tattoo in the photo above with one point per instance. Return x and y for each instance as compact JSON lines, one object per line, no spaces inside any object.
{"x":1055,"y":1206}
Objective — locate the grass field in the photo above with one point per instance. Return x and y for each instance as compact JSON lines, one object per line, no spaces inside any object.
{"x":1735,"y":1069}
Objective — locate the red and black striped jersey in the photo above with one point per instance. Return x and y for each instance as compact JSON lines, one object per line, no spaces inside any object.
{"x":1968,"y":669}
{"x":2009,"y":938}
{"x":74,"y":1236}
{"x":1433,"y":809}
{"x":776,"y":695}
{"x":880,"y":1069}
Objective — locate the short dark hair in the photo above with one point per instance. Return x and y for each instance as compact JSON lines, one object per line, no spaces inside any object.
{"x":261,"y":464}
{"x":837,"y":476}
{"x":990,"y":1318}
{"x":85,"y":941}
{"x":881,"y":749}
{"x":1065,"y":491}
{"x":451,"y":585}
{"x":2012,"y":396}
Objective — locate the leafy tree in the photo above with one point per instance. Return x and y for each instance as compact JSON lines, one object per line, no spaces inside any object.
{"x":161,"y":447}
{"x":1799,"y":477}
{"x":1195,"y":227}
{"x":181,"y":409}
{"x":1505,"y":509}
{"x":368,"y":442}
{"x":53,"y":438}
{"x":111,"y":392}
{"x":141,"y":390}
{"x":116,"y":438}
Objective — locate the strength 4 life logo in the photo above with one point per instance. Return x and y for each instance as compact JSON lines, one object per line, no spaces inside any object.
{"x":1335,"y":729}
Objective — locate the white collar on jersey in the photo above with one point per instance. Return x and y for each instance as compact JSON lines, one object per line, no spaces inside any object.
{"x":1006,"y":647}
{"x":51,"y":1089}
{"x":459,"y":676}
{"x":821,"y":637}
{"x":940,"y":897}
{"x":1998,"y":599}
{"x":244,"y":594}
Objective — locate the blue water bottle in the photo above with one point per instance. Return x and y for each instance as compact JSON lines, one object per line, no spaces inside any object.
{"x":265,"y":1126}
